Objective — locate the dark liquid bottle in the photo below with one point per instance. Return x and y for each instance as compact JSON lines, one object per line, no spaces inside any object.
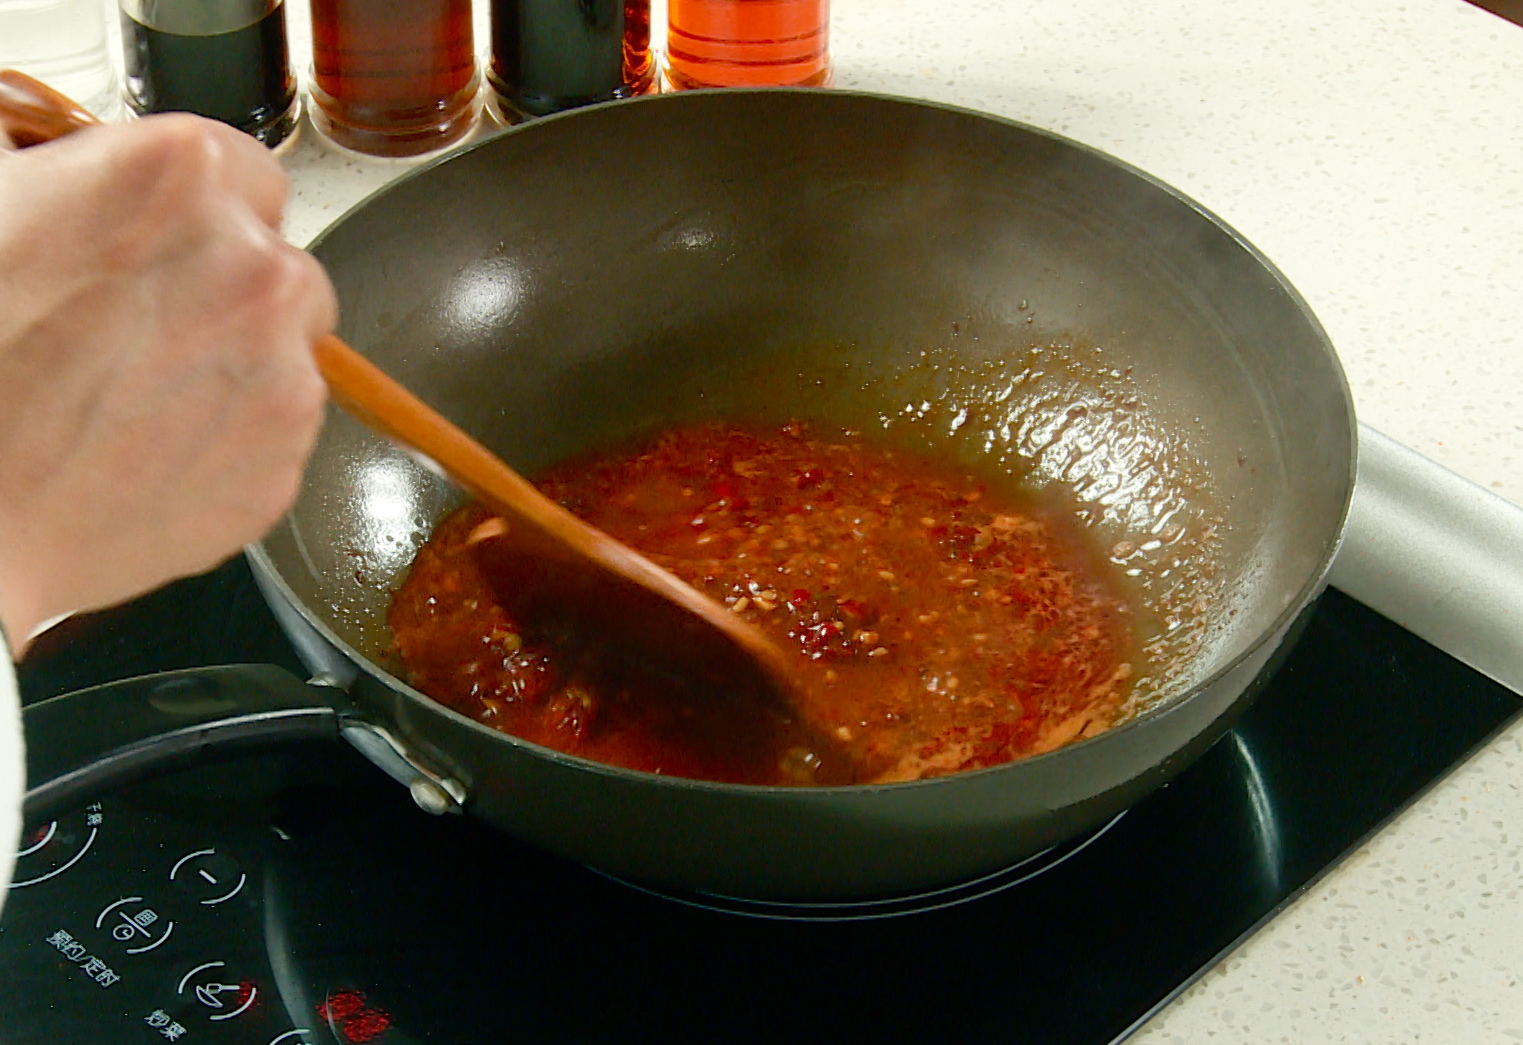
{"x":225,"y":59}
{"x":393,"y":77}
{"x":748,"y":43}
{"x":549,"y":55}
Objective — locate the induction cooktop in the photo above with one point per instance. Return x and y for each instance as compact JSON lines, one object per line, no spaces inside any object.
{"x":296,"y":895}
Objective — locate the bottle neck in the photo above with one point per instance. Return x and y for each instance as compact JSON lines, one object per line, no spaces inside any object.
{"x":197,"y":17}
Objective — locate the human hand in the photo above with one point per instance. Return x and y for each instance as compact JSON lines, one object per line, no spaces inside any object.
{"x":158,"y":398}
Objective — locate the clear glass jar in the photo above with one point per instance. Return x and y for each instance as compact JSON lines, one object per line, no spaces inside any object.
{"x":63,"y":44}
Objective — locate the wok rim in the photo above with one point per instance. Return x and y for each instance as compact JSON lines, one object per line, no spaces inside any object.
{"x":1158,"y":711}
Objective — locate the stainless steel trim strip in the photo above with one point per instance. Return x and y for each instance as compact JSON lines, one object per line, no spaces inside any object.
{"x":1438,"y":555}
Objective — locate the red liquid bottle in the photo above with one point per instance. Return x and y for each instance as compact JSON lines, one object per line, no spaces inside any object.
{"x":393,"y":77}
{"x":748,"y":43}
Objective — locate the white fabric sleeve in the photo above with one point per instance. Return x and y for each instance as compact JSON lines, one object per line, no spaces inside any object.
{"x":12,"y":768}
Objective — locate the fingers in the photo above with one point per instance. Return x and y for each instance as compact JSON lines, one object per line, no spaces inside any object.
{"x":306,"y":295}
{"x":112,"y":201}
{"x":155,"y":341}
{"x":251,"y":307}
{"x":280,"y":402}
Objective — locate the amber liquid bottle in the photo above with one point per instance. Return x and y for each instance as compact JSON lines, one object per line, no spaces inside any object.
{"x":393,"y":77}
{"x":549,"y":55}
{"x":748,"y":43}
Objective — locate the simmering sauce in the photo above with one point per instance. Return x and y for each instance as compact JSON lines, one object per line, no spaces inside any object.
{"x":939,"y":626}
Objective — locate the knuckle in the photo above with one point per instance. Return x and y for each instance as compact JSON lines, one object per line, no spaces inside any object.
{"x":167,"y":171}
{"x":290,"y":283}
{"x":256,"y":291}
{"x":268,"y":273}
{"x":310,"y":281}
{"x":246,"y":165}
{"x":270,"y":181}
{"x":281,"y":275}
{"x":328,"y":315}
{"x":311,"y":399}
{"x":302,"y":398}
{"x":174,"y":157}
{"x":168,"y":137}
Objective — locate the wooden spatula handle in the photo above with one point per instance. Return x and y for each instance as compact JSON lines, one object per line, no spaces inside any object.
{"x":365,"y":391}
{"x":31,"y":112}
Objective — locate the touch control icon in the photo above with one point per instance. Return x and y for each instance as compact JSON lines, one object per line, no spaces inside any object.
{"x":133,"y":924}
{"x":226,"y":1000}
{"x":56,"y":846}
{"x":209,"y":876}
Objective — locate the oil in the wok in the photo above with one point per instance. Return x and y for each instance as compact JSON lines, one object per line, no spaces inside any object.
{"x":227,"y":60}
{"x":393,"y":77}
{"x":549,"y":55}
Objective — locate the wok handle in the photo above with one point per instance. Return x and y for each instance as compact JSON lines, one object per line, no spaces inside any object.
{"x":82,"y":743}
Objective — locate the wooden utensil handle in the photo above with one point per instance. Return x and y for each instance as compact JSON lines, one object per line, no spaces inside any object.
{"x":31,"y":112}
{"x":365,"y":391}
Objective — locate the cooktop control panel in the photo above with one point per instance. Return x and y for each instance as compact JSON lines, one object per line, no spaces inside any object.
{"x":127,"y":925}
{"x":151,"y":925}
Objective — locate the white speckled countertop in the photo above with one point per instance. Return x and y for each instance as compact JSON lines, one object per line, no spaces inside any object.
{"x":1374,"y":151}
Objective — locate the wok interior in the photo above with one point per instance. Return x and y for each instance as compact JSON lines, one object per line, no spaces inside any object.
{"x":952,"y":283}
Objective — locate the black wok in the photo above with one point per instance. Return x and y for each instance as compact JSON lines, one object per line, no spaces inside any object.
{"x":951,"y":281}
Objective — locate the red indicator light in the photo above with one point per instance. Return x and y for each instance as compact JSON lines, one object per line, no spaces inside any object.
{"x":367,"y":1026}
{"x":352,"y":1018}
{"x":340,"y":1006}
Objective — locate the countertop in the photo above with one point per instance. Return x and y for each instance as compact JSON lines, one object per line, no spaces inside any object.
{"x":1372,"y":149}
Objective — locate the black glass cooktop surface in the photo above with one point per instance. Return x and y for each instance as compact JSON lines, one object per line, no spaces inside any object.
{"x":297,"y":895}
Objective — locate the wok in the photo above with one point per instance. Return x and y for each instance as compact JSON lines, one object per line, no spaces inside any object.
{"x":953,"y":282}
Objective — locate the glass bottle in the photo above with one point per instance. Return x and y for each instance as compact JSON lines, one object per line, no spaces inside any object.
{"x":394,"y":77}
{"x":549,"y":55}
{"x":224,"y":59}
{"x":748,"y":43}
{"x":63,"y":44}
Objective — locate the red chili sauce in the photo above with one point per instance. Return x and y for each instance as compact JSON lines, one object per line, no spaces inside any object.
{"x":938,"y":626}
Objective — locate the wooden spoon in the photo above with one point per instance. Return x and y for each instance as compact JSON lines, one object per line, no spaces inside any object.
{"x":599,"y":580}
{"x":31,"y":112}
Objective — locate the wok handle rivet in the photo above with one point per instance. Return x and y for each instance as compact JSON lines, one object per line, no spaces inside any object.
{"x":430,"y":797}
